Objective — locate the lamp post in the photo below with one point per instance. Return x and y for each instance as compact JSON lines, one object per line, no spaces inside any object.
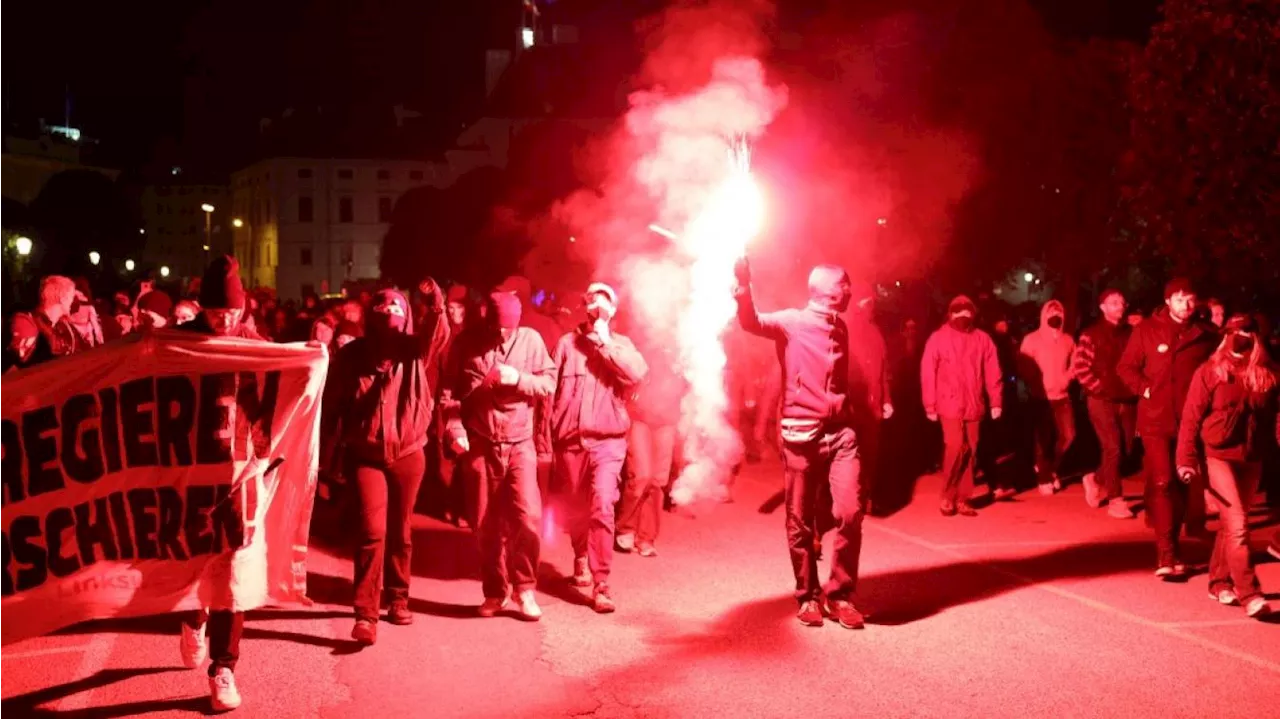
{"x":208,"y":230}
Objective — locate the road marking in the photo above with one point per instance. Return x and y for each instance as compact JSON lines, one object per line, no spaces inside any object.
{"x":96,"y":654}
{"x":1211,"y":623}
{"x":1171,"y":630}
{"x":44,"y":652}
{"x":1029,"y":543}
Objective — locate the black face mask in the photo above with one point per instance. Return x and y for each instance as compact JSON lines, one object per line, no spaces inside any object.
{"x":1055,"y":322}
{"x":1241,"y":344}
{"x":962,"y":323}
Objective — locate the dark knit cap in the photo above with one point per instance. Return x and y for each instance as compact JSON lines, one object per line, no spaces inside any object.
{"x":221,"y":289}
{"x":157,"y":301}
{"x":456,"y":293}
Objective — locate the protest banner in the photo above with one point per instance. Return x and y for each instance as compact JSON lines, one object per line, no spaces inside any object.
{"x":155,"y":474}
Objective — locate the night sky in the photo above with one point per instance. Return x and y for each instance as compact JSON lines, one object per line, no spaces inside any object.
{"x":163,"y":83}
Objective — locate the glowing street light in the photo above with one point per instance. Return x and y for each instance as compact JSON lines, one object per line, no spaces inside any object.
{"x":1028,"y":277}
{"x":23,"y":245}
{"x":142,"y":230}
{"x":237,"y":223}
{"x":206,"y":207}
{"x":128,"y":265}
{"x":95,"y":258}
{"x":208,"y":227}
{"x":164,"y":271}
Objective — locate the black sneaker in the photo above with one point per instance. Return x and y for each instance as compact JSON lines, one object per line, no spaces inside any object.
{"x":810,"y":613}
{"x":399,"y":613}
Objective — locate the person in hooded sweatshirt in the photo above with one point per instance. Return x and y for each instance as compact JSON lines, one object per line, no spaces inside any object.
{"x":377,"y":407}
{"x":819,"y":444}
{"x":222,"y":302}
{"x":550,"y":331}
{"x":959,"y":381}
{"x":1044,"y":362}
{"x":504,"y":371}
{"x":1230,"y":420}
{"x":597,"y":371}
{"x":1157,"y":366}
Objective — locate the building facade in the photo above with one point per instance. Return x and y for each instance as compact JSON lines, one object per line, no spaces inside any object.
{"x":180,"y":234}
{"x":306,"y":225}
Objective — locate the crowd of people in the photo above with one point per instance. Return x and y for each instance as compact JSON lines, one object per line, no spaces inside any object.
{"x":492,"y":409}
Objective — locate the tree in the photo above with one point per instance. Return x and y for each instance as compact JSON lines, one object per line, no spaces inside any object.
{"x":1203,"y":179}
{"x":78,"y":212}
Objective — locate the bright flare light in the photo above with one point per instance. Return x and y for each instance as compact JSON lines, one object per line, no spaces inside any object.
{"x":164,"y":271}
{"x":716,"y":238}
{"x":23,"y":245}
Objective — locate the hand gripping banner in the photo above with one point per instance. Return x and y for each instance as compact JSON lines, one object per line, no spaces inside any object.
{"x":158,"y":474}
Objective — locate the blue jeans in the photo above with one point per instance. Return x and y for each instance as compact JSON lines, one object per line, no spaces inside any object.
{"x":831,"y":459}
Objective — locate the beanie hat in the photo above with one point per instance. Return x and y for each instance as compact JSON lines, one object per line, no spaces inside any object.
{"x":221,"y":289}
{"x":507,"y":309}
{"x":456,"y":293}
{"x":348,"y":328}
{"x":1176,"y":285}
{"x":521,"y":286}
{"x":960,"y":304}
{"x":606,"y":290}
{"x":157,"y":301}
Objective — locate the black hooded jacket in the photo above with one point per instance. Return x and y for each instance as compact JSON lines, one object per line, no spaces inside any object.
{"x":378,"y":400}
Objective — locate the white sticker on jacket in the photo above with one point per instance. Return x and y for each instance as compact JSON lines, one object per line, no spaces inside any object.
{"x":1162,"y":349}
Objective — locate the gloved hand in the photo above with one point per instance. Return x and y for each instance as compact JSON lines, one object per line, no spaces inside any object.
{"x":742,"y":271}
{"x":886,"y":410}
{"x":508,"y":376}
{"x":996,"y":412}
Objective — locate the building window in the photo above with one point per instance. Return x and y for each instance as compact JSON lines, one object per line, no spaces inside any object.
{"x":384,"y":209}
{"x":346,"y":173}
{"x":346,"y":210}
{"x":415,"y":175}
{"x":304,"y":173}
{"x":306,"y":257}
{"x":305,"y":209}
{"x":384,"y":174}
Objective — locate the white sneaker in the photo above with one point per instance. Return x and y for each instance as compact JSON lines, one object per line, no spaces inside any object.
{"x":223,"y":694}
{"x":1226,"y":597}
{"x":492,"y":607}
{"x":1118,"y":509}
{"x":193,"y":646}
{"x":1046,"y":489}
{"x":1257,"y":608}
{"x":1092,"y":491}
{"x":624,"y":542}
{"x":527,"y":606}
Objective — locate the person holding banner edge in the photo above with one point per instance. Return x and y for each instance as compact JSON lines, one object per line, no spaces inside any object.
{"x":378,"y":402}
{"x":222,"y":302}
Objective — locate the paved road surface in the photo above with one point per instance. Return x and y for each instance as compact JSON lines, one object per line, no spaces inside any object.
{"x":1037,"y":608}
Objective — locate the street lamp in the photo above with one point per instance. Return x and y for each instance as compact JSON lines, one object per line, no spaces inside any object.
{"x":237,"y":223}
{"x":1028,"y":277}
{"x":164,"y":271}
{"x":95,"y":258}
{"x":23,"y":245}
{"x":128,"y":265}
{"x":208,"y":229}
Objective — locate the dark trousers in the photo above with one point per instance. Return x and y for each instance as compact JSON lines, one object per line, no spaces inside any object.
{"x":1055,"y":431}
{"x":1230,"y":566}
{"x":959,"y":458}
{"x":1166,"y":495}
{"x":509,"y":527}
{"x":589,"y":475}
{"x":831,"y":460}
{"x":385,"y":495}
{"x":224,"y":629}
{"x":649,"y":455}
{"x":1113,"y":422}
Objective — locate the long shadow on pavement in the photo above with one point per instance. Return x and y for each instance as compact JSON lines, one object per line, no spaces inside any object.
{"x":29,"y":704}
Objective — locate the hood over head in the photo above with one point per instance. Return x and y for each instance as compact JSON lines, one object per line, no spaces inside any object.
{"x":520,"y":286}
{"x":396,"y":297}
{"x":506,"y":310}
{"x":829,"y":288}
{"x":1052,"y":308}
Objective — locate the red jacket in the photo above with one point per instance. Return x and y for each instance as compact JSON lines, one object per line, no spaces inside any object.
{"x":960,"y":374}
{"x":594,"y":380}
{"x":498,"y":413}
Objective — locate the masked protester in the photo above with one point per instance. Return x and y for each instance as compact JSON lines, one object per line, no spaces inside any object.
{"x":655,"y":412}
{"x":153,"y":310}
{"x":377,"y":407}
{"x":819,"y":445}
{"x":959,"y":380}
{"x":1230,"y":410}
{"x":596,"y":372}
{"x":1112,"y":409}
{"x":1158,"y":363}
{"x":222,"y":297}
{"x":505,"y":370}
{"x":1044,"y":362}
